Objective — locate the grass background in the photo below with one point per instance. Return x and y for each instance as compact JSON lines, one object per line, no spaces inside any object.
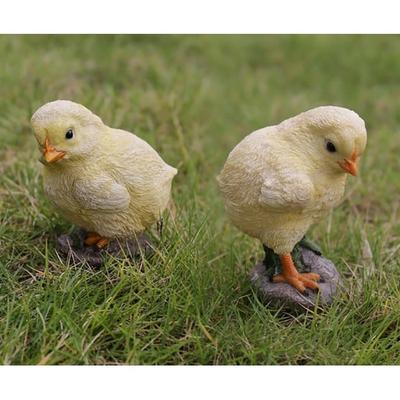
{"x":193,"y":98}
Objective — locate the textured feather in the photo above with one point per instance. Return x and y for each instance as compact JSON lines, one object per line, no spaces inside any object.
{"x":101,"y":194}
{"x":288,"y":191}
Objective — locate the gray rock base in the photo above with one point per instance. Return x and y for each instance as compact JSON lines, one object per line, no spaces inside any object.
{"x":73,"y":249}
{"x":286,"y":296}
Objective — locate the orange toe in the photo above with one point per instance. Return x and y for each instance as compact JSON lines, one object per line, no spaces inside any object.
{"x":92,"y":238}
{"x":103,"y":242}
{"x":311,"y":275}
{"x":292,"y":280}
{"x":308,"y":283}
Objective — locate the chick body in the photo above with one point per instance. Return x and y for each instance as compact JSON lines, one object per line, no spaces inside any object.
{"x":276,"y":185}
{"x":118,"y":188}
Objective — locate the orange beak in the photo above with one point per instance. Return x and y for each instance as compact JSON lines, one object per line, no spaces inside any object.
{"x":350,"y":166}
{"x":50,"y":153}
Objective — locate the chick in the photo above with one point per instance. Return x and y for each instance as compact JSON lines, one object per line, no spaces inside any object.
{"x":281,"y":179}
{"x":107,"y":181}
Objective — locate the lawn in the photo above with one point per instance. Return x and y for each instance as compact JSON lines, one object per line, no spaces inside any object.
{"x":193,"y":98}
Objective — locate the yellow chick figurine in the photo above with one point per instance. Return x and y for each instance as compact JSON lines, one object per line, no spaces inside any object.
{"x":107,"y":181}
{"x":281,"y":179}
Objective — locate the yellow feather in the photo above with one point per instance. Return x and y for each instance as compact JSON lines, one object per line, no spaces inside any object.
{"x":110,"y":181}
{"x":281,"y":179}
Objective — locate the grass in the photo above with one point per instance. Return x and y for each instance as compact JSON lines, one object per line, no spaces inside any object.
{"x":193,"y":98}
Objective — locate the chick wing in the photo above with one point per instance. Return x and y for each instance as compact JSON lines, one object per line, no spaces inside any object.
{"x":101,"y":194}
{"x":291,"y":191}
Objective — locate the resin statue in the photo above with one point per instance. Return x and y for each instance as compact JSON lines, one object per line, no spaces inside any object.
{"x":107,"y":181}
{"x":281,"y":179}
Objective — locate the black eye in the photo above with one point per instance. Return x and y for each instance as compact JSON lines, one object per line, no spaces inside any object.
{"x":69,"y":134}
{"x":330,"y":147}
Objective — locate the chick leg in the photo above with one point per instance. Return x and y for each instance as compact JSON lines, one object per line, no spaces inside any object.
{"x":94,"y":238}
{"x":291,"y":276}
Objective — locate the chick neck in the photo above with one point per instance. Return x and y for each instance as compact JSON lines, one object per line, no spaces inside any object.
{"x":301,"y":146}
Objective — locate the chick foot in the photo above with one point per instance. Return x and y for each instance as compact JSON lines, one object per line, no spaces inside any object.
{"x":299,"y":281}
{"x":94,"y":238}
{"x":291,"y":276}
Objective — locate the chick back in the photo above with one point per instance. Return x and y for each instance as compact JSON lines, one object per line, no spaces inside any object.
{"x":133,"y":163}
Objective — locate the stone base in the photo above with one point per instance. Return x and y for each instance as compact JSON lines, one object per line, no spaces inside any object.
{"x":72,"y":248}
{"x":285,"y":295}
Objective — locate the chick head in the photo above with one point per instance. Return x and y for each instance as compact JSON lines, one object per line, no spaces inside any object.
{"x":336,"y":137}
{"x":65,"y":131}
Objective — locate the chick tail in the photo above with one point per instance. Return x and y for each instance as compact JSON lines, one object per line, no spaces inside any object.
{"x":173,"y":171}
